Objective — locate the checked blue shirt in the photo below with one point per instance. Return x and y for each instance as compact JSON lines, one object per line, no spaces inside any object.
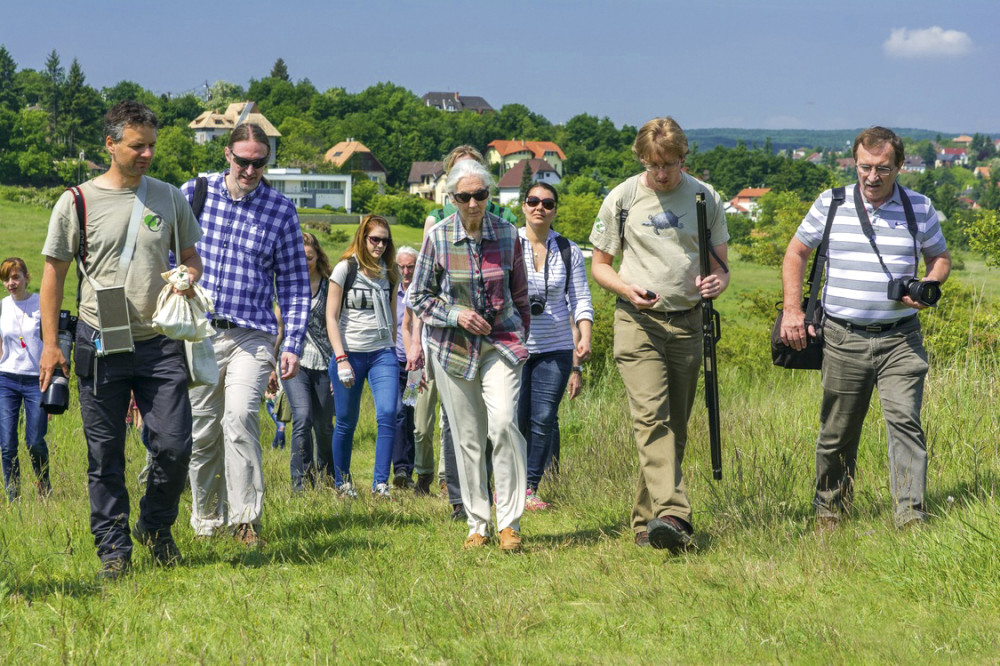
{"x":252,"y":249}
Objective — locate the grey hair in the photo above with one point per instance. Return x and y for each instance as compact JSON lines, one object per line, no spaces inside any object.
{"x":127,"y":112}
{"x":466,"y":169}
{"x":406,"y":249}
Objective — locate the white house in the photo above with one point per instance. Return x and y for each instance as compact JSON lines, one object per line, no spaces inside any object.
{"x":510,"y":185}
{"x":312,"y":190}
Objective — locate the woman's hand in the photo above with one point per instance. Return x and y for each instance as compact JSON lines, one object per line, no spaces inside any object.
{"x":473,"y":323}
{"x":346,"y":373}
{"x":575,"y":384}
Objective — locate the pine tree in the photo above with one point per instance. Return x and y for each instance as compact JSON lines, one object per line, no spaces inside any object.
{"x":525,"y":181}
{"x":280,"y":70}
{"x":8,"y":89}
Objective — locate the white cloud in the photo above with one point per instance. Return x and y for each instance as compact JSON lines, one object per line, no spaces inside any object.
{"x":927,"y":43}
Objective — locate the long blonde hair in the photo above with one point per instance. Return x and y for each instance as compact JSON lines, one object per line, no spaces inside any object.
{"x":359,"y":249}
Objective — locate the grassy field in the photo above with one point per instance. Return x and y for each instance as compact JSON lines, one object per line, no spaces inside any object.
{"x":387,"y":581}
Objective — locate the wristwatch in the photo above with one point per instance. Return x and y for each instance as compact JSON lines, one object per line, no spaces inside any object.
{"x":578,"y":368}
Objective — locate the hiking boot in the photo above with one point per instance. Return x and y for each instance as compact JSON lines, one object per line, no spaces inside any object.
{"x":533,"y":502}
{"x":642,"y":539}
{"x":423,"y":484}
{"x":113,"y":569}
{"x":346,"y":491}
{"x":381,"y":490}
{"x":161,"y":545}
{"x":458,"y":513}
{"x":510,"y":540}
{"x":246,"y":535}
{"x":475,"y":541}
{"x":402,"y":482}
{"x":668,"y":533}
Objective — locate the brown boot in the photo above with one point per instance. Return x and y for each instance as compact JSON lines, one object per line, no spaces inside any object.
{"x":510,"y":540}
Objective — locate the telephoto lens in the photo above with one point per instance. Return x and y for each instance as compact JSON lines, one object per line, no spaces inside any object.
{"x":55,"y":400}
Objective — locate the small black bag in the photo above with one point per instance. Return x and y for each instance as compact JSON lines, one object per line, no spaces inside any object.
{"x":810,"y":358}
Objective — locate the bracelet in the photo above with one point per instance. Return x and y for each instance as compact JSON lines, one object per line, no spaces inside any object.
{"x":342,"y":357}
{"x":577,"y":368}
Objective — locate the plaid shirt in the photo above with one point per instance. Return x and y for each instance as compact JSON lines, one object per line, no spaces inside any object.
{"x":251,"y":249}
{"x":454,"y":273}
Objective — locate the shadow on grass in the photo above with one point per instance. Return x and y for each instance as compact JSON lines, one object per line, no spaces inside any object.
{"x":587,"y":537}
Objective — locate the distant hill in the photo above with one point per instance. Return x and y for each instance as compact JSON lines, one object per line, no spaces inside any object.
{"x":791,"y":139}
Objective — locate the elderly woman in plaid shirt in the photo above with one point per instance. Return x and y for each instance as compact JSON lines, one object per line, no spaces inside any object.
{"x":470,"y":289}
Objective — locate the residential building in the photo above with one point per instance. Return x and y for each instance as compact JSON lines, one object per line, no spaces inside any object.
{"x":846,"y":163}
{"x":510,"y":184}
{"x":747,"y":201}
{"x":509,"y":153}
{"x":963,"y":139}
{"x":213,"y":124}
{"x":982,"y":172}
{"x":452,"y":102}
{"x":951,"y":157}
{"x":913,"y":164}
{"x":312,"y":190}
{"x":424,"y":178}
{"x":351,"y":155}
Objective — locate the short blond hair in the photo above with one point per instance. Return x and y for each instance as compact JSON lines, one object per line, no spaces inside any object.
{"x":658,"y":138}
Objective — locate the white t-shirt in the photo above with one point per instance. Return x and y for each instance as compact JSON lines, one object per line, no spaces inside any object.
{"x":358,"y":322}
{"x":21,"y":321}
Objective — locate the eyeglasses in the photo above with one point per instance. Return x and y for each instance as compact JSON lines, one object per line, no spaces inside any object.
{"x":379,"y":240}
{"x":243,"y":162}
{"x":669,"y":166}
{"x":880,"y":170}
{"x":547,"y":204}
{"x":478,"y":195}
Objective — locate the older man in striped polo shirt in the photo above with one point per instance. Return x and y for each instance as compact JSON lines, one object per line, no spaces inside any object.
{"x":872,"y":335}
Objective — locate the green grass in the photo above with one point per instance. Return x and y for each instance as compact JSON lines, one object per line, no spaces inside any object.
{"x":377,"y":581}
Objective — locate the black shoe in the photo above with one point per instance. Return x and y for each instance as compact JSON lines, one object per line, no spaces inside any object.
{"x":458,"y":512}
{"x":113,"y":569}
{"x":423,"y":485}
{"x":669,"y":533}
{"x":642,"y":539}
{"x":161,"y":545}
{"x":402,"y":482}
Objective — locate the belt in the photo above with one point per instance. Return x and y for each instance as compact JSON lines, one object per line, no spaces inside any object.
{"x":872,"y":328}
{"x":675,"y":313}
{"x":224,"y":324}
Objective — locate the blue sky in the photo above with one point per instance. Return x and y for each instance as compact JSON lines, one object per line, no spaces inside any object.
{"x":771,"y":64}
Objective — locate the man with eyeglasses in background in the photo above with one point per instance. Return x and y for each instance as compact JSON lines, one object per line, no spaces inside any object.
{"x":650,"y":219}
{"x":253,"y":255}
{"x":871,"y":332}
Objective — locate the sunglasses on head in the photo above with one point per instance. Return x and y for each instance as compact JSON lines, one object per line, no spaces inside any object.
{"x":465,"y":197}
{"x":547,"y":204}
{"x":243,"y":162}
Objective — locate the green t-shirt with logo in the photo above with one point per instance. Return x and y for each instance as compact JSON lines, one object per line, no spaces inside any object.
{"x":108,"y":214}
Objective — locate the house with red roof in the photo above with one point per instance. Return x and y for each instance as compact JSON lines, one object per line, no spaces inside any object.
{"x":510,"y":184}
{"x":509,"y":153}
{"x":951,"y":157}
{"x":351,"y":155}
{"x":746,"y":202}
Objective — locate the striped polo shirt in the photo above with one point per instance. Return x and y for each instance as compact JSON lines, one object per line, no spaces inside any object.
{"x":855,"y":288}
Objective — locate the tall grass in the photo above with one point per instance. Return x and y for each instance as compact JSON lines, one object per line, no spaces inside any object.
{"x":387,"y":581}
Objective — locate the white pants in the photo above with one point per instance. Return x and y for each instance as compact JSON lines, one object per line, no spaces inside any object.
{"x":487,"y":405}
{"x":227,"y":477}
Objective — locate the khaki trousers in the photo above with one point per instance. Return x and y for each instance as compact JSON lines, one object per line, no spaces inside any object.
{"x":659,"y":357}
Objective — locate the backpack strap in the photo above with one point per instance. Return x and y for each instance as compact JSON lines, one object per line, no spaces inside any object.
{"x":566,"y":250}
{"x":819,"y":261}
{"x":198,"y":198}
{"x":629,"y":194}
{"x":352,"y":275}
{"x":81,"y":217}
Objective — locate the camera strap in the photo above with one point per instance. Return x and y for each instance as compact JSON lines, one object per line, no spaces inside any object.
{"x":866,"y":227}
{"x":128,"y":249}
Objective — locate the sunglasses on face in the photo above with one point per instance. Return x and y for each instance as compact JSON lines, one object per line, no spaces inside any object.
{"x":465,"y":197}
{"x":547,"y":204}
{"x":378,"y":240}
{"x":243,"y":162}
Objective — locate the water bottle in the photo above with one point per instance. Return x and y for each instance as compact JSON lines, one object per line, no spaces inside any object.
{"x":413,"y":378}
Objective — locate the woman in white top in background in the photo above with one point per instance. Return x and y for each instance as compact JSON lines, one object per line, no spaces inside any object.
{"x":21,"y":348}
{"x":560,"y":300}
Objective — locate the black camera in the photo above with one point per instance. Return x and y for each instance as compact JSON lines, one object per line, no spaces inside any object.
{"x":488,"y":312}
{"x":927,"y":292}
{"x":56,"y":397}
{"x":537,"y":305}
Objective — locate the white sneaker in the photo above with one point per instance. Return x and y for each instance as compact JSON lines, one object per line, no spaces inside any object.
{"x":381,"y":490}
{"x":346,"y":490}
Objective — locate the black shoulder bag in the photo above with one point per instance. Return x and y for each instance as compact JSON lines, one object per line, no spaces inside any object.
{"x":810,"y":358}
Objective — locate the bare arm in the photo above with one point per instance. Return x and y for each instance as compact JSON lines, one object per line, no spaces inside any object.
{"x":938,"y":269}
{"x":51,"y":296}
{"x":793,"y":269}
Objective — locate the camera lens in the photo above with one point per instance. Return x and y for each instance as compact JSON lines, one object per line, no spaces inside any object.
{"x":537,"y":306}
{"x":928,"y":293}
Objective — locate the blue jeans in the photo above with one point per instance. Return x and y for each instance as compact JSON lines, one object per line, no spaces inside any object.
{"x":543,"y":382}
{"x":381,"y":369}
{"x":16,"y":390}
{"x":312,"y":425}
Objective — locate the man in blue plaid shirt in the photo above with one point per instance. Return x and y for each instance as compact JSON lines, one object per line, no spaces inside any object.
{"x":252,"y":250}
